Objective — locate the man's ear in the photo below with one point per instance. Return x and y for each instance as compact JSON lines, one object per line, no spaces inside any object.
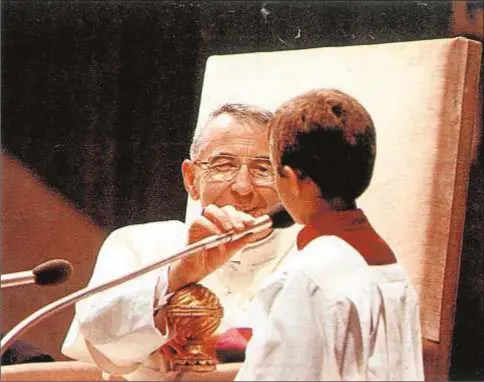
{"x":293,"y":178}
{"x":189,"y":179}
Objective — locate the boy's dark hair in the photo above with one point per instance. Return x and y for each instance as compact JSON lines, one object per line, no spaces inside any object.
{"x":328,"y":136}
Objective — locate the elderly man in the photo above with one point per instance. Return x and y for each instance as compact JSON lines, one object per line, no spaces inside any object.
{"x":230,"y":173}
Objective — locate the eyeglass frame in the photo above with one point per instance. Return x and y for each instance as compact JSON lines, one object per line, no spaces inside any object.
{"x":254,"y":178}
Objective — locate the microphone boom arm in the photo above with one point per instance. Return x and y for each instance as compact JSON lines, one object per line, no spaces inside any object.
{"x":260,"y":224}
{"x":17,"y":279}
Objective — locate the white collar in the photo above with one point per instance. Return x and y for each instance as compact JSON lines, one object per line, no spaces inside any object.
{"x":258,"y":252}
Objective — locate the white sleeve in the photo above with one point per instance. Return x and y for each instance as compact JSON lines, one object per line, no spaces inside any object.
{"x":286,"y":342}
{"x":115,"y":328}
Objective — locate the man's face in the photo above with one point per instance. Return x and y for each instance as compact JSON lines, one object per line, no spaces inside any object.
{"x":224,"y":135}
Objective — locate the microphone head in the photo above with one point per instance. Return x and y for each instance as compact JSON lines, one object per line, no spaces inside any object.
{"x":52,"y":272}
{"x":280,"y":217}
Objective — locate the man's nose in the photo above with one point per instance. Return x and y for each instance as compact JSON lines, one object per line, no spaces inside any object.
{"x":242,"y":183}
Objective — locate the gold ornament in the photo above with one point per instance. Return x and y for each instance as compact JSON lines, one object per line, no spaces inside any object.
{"x":193,"y":313}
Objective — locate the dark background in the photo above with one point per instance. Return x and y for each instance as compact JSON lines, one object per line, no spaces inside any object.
{"x":100,"y":100}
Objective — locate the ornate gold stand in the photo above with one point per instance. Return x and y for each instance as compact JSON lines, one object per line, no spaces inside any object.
{"x":194,"y":314}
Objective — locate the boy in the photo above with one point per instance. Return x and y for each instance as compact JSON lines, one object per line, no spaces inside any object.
{"x":341,"y":307}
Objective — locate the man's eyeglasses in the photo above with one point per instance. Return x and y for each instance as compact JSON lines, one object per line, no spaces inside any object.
{"x":226,"y":167}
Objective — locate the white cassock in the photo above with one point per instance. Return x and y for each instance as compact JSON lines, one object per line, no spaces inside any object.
{"x":115,"y":328}
{"x":327,"y":315}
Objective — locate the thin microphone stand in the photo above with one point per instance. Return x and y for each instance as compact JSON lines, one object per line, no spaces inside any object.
{"x":261,"y":223}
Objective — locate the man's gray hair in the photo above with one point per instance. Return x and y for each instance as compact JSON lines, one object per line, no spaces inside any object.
{"x":241,"y":112}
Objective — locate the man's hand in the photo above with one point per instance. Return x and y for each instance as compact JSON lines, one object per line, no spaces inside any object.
{"x":214,"y":221}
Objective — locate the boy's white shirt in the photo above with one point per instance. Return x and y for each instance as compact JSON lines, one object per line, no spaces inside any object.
{"x":115,"y":328}
{"x":327,"y":315}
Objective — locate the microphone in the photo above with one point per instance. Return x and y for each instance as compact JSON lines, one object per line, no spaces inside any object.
{"x":278,"y":217}
{"x":51,"y":272}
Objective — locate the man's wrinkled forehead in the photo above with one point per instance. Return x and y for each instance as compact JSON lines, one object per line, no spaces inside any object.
{"x":227,"y":123}
{"x":227,"y":131}
{"x":222,"y":121}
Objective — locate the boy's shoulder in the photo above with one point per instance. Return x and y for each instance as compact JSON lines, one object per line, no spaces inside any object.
{"x":332,"y":265}
{"x":326,"y":255}
{"x":324,"y":259}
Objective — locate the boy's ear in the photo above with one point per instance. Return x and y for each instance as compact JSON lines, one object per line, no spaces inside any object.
{"x":293,"y":178}
{"x":189,"y":179}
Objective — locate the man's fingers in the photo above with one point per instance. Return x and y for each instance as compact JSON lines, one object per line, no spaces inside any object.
{"x":240,"y":220}
{"x":227,"y":217}
{"x":214,"y":221}
{"x":203,"y":227}
{"x":218,"y":216}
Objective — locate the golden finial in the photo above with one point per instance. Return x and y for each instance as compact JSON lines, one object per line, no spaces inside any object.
{"x":193,"y":313}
